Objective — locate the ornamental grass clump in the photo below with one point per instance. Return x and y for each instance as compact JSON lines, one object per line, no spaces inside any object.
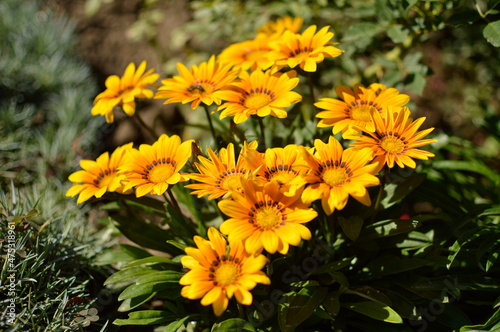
{"x":271,"y":230}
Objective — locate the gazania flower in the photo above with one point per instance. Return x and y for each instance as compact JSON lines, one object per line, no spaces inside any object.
{"x":336,"y":174}
{"x":100,"y":176}
{"x":264,"y":218}
{"x":305,"y":50}
{"x":215,"y":276}
{"x":248,"y":54}
{"x":356,"y":105}
{"x":196,"y":85}
{"x":220,"y":175}
{"x":259,"y":93}
{"x":281,"y":165}
{"x":395,"y":139}
{"x":152,"y":168}
{"x":276,"y":28}
{"x":123,"y":91}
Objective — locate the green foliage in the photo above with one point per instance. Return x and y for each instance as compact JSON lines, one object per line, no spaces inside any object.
{"x":47,"y":272}
{"x":44,"y":87}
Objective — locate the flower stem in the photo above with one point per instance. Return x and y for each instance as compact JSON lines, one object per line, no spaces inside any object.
{"x":311,"y":92}
{"x":145,"y":126}
{"x":262,"y":133}
{"x":173,"y":200}
{"x":241,"y":310}
{"x":207,"y":112}
{"x":380,"y":193}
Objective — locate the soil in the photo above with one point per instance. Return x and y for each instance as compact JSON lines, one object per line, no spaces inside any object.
{"x":105,"y":46}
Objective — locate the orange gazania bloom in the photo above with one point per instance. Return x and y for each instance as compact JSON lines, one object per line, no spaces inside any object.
{"x":100,"y":176}
{"x":305,"y":50}
{"x":284,"y":166}
{"x":264,"y":218}
{"x":220,"y":175}
{"x":395,"y":139}
{"x":215,"y":276}
{"x":336,"y":174}
{"x":356,"y":105}
{"x":278,"y":27}
{"x":196,"y":85}
{"x":259,"y":93}
{"x":123,"y":91}
{"x":248,"y":54}
{"x":152,"y":168}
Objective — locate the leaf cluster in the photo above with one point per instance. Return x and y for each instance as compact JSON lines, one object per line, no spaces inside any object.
{"x":47,"y":265}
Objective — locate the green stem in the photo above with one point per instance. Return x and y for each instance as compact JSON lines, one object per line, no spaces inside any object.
{"x":380,"y":193}
{"x":262,"y":133}
{"x":268,"y":267}
{"x":331,"y":227}
{"x":241,"y":310}
{"x":207,"y":112}
{"x":173,"y":200}
{"x":145,"y":126}
{"x":311,"y":92}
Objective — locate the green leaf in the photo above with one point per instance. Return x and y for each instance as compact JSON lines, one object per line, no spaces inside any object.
{"x":175,"y":325}
{"x":332,"y":303}
{"x":391,"y":264}
{"x":178,"y":245}
{"x":150,"y":202}
{"x":404,"y":307}
{"x":469,"y":166}
{"x":492,"y":324}
{"x":376,"y":310}
{"x":383,"y":12}
{"x":163,"y":276}
{"x":371,"y":293}
{"x":453,"y":317}
{"x":488,"y":244}
{"x":305,"y":283}
{"x":143,"y":233}
{"x":146,"y":317}
{"x":109,"y":257}
{"x":333,"y":266}
{"x":233,"y":324}
{"x":180,"y":225}
{"x":351,"y":226}
{"x":361,"y":33}
{"x":461,"y":241}
{"x":416,"y":83}
{"x":389,"y":227}
{"x":398,"y":33}
{"x":128,"y":273}
{"x":135,"y":302}
{"x":144,"y":289}
{"x":492,"y":33}
{"x":151,"y":261}
{"x":492,"y":258}
{"x":412,"y":64}
{"x":402,"y":184}
{"x":494,"y":211}
{"x":134,"y":251}
{"x":299,"y":306}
